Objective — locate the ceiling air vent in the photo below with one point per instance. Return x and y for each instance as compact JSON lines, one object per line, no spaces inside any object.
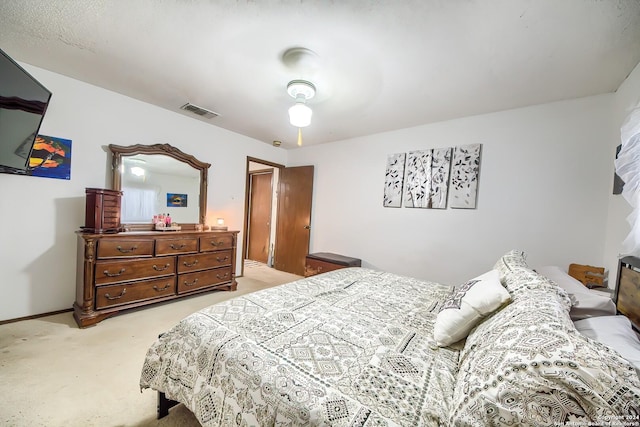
{"x":199,"y":111}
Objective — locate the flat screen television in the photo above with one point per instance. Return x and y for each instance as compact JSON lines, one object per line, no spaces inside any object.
{"x":23,"y":103}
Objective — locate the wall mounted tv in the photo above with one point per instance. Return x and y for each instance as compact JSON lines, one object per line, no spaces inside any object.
{"x":23,"y":103}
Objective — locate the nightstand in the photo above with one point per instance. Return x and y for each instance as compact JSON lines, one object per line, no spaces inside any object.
{"x":322,"y":262}
{"x":588,"y":275}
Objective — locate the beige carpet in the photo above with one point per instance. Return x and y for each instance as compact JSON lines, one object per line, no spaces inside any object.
{"x":54,"y":374}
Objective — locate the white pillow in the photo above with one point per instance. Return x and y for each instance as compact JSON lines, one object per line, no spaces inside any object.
{"x":466,"y":307}
{"x":614,"y":332}
{"x":587,"y":303}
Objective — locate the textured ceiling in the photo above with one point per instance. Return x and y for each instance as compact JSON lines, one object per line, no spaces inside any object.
{"x":381,"y":65}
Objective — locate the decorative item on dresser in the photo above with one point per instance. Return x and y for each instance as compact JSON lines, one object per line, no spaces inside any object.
{"x":102,"y":213}
{"x":322,"y":262}
{"x":126,"y":270}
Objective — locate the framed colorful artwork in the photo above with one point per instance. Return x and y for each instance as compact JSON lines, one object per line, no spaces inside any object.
{"x":50,"y":157}
{"x":175,"y":200}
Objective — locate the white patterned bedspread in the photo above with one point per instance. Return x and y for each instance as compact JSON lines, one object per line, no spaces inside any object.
{"x":352,"y":347}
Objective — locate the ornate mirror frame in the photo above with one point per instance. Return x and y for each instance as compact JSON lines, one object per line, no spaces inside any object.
{"x":118,"y":151}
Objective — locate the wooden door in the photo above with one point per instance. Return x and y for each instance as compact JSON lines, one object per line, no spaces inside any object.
{"x":259,"y":231}
{"x":293,"y":229}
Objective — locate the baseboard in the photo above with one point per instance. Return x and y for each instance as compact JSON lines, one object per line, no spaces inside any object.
{"x":35,"y":316}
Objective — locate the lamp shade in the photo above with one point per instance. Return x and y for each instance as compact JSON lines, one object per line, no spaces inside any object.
{"x":300,"y":115}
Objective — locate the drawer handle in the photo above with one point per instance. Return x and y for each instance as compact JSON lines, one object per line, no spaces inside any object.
{"x":180,"y":246}
{"x":222,"y":259}
{"x":218,"y":243}
{"x":224,"y":276}
{"x":187,"y":264}
{"x":162,"y":289}
{"x":191,"y":283}
{"x":109,"y":297}
{"x":106,"y":273}
{"x":126,"y":251}
{"x":156,"y":268}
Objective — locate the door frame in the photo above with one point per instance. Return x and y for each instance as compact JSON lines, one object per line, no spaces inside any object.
{"x":247,"y":186}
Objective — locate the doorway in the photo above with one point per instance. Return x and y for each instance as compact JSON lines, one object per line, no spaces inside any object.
{"x":261,"y":210}
{"x":277,"y":215}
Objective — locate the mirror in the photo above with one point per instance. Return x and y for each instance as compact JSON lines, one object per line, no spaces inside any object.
{"x":159,"y":179}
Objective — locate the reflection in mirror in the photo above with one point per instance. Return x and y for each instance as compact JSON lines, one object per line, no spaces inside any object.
{"x":159,"y":179}
{"x":153,"y":184}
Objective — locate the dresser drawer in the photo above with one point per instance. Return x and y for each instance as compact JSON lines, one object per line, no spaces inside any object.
{"x":191,"y":281}
{"x":314,"y":266}
{"x":111,"y":208}
{"x":111,"y":214}
{"x":123,"y":270}
{"x":216,"y":242}
{"x":112,"y":295}
{"x":176,"y":246}
{"x":114,"y":248}
{"x":322,"y":262}
{"x":111,"y":201}
{"x":187,"y":263}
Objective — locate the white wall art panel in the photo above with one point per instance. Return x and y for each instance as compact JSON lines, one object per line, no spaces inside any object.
{"x":417,"y":179}
{"x":440,"y":167}
{"x":394,"y":178}
{"x":465,"y":168}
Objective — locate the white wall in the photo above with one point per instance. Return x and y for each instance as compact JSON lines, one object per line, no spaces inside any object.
{"x":544,"y":184}
{"x":626,"y":97}
{"x":545,"y":187}
{"x":39,"y":216}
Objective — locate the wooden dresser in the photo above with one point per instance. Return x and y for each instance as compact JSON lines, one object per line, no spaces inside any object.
{"x":126,"y":270}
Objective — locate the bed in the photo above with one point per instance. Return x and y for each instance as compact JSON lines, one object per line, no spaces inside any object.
{"x":359,"y":347}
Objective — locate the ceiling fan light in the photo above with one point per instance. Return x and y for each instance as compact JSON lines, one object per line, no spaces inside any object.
{"x":137,"y":171}
{"x":300,"y":115}
{"x":301,"y":88}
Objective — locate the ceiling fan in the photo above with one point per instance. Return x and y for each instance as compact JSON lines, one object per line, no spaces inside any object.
{"x":303,"y":61}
